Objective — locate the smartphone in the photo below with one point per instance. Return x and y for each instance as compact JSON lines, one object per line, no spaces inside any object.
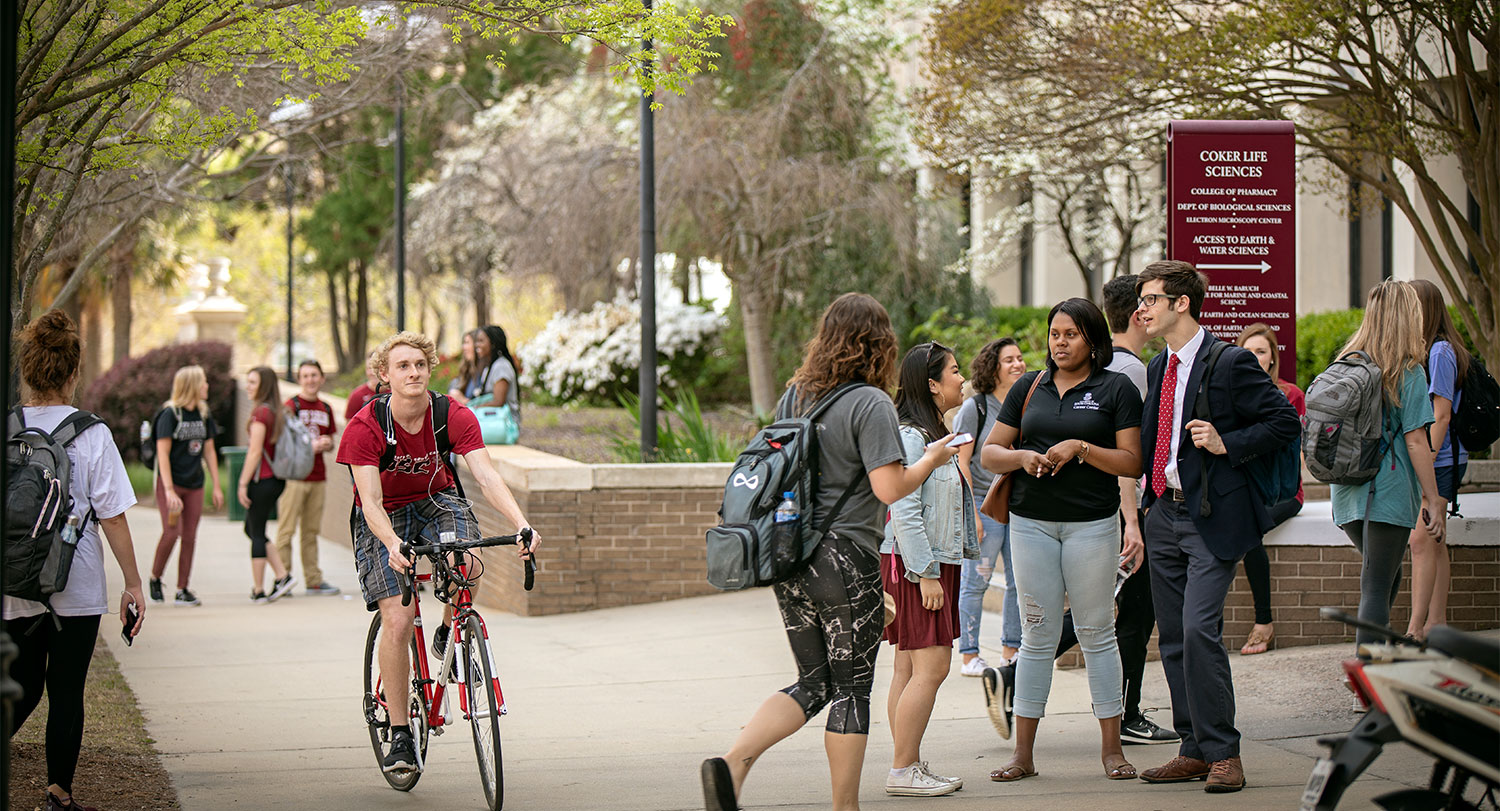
{"x":960,"y":440}
{"x":128,"y":622}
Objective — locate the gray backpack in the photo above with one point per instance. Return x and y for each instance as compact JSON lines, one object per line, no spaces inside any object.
{"x":294,"y":449}
{"x":39,"y":548}
{"x":749,"y":548}
{"x":1342,"y":433}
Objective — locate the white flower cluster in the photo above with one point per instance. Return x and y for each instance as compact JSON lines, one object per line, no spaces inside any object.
{"x":592,"y":352}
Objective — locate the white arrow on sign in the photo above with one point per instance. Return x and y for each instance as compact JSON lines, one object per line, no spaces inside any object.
{"x":1262,"y":267}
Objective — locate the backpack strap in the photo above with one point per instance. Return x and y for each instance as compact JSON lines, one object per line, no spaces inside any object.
{"x":380,"y":408}
{"x":15,"y":422}
{"x":827,"y":400}
{"x":1201,"y":412}
{"x":73,"y":425}
{"x":441,"y":403}
{"x":981,"y":407}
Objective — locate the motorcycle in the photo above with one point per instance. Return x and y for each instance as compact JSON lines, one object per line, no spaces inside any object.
{"x":1442,"y":697}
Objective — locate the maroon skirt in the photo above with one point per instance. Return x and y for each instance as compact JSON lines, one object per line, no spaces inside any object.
{"x":916,"y":627}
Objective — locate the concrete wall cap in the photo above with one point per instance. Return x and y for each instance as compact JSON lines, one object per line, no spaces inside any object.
{"x":1479,"y":526}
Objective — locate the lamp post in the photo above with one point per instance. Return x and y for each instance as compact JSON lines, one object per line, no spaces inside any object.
{"x":648,"y":268}
{"x":400,"y":201}
{"x":291,"y":230}
{"x":9,"y":22}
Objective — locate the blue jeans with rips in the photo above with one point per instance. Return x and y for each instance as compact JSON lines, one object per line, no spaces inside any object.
{"x":975,"y":580}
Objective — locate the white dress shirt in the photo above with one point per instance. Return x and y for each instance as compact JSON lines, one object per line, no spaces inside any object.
{"x":1185,"y":357}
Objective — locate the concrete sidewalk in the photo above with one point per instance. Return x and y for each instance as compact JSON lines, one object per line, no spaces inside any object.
{"x":259,"y":707}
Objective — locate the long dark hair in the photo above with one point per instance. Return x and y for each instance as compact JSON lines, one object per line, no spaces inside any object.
{"x":267,"y":394}
{"x":1091,"y":323}
{"x":855,"y":342}
{"x":499,"y":348}
{"x":914,"y":405}
{"x":1437,"y":325}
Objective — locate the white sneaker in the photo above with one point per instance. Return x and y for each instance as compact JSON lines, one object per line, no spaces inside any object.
{"x":974,"y":667}
{"x":914,"y":781}
{"x":958,"y":782}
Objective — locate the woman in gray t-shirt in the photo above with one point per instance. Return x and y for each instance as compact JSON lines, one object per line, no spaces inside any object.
{"x":832,"y":609}
{"x":998,"y":365}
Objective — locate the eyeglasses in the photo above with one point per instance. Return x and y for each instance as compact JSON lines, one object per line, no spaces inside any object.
{"x":1149,"y":300}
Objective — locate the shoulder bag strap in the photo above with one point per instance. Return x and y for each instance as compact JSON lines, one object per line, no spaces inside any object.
{"x":1024,"y":403}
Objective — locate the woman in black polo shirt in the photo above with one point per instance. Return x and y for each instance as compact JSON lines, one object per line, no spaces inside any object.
{"x":1080,"y":431}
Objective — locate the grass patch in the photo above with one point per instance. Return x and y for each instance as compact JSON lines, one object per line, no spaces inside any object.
{"x":118,"y":767}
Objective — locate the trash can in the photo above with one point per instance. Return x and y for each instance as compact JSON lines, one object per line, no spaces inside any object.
{"x":234,"y":462}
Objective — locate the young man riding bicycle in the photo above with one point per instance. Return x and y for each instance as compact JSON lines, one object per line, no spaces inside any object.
{"x":399,"y":461}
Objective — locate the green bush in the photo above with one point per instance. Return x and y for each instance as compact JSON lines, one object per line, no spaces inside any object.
{"x":691,"y":439}
{"x":1028,"y":325}
{"x":134,"y":389}
{"x":1320,"y":336}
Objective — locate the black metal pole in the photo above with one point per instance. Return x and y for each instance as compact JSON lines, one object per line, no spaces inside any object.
{"x":647,"y":270}
{"x":9,"y":690}
{"x":291,"y":373}
{"x":400,"y":204}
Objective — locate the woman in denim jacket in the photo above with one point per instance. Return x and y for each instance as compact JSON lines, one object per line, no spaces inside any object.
{"x":929,"y":534}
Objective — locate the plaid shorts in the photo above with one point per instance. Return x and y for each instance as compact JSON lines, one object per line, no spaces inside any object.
{"x":417,"y":522}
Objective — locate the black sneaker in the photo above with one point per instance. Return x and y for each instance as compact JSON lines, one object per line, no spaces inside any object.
{"x":403,"y":754}
{"x":258,"y":597}
{"x":439,"y":641}
{"x":999,"y":689}
{"x":1141,"y":730}
{"x":185,"y":597}
{"x":156,"y":595}
{"x":281,"y":588}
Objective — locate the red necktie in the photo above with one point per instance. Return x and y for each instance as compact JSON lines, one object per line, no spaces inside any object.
{"x":1164,"y":426}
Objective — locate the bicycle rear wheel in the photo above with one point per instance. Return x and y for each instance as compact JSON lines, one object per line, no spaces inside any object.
{"x":377,"y":715}
{"x":484,"y":713}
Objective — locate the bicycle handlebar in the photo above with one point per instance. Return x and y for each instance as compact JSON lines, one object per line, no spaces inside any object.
{"x":433,"y":550}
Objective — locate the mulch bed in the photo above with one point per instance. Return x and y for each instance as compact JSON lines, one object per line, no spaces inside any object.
{"x":119,"y":769}
{"x":584,"y":434}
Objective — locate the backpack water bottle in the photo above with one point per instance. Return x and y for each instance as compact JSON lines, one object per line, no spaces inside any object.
{"x":787,"y":530}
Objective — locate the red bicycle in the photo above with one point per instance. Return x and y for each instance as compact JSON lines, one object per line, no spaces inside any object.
{"x":467,"y":661}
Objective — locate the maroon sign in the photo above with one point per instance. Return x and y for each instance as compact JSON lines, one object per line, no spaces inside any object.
{"x":1231,"y":211}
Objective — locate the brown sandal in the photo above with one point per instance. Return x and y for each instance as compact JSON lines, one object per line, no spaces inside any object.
{"x":1121,"y":771}
{"x":1010,"y":774}
{"x":1259,"y":641}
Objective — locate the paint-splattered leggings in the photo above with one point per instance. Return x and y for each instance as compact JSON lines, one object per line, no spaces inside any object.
{"x":832,"y":612}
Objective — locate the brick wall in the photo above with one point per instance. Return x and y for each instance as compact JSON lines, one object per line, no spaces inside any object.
{"x":602,"y":547}
{"x":1306,"y":578}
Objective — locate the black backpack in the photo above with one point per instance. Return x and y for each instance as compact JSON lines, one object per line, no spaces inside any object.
{"x":1476,"y":423}
{"x":1274,"y":475}
{"x":38,"y":504}
{"x":440,"y":404}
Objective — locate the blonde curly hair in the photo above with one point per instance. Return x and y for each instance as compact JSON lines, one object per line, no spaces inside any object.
{"x":415,"y":340}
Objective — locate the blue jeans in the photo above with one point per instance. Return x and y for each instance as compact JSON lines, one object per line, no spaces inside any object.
{"x":1076,"y":560}
{"x":975,"y":580}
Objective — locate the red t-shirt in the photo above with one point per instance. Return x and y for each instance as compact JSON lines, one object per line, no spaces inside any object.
{"x":358,"y":399}
{"x":417,"y":470}
{"x":318,"y":416}
{"x":262,"y":414}
{"x":1299,"y":402}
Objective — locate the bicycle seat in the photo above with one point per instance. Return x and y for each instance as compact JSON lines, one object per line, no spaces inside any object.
{"x":1473,"y":648}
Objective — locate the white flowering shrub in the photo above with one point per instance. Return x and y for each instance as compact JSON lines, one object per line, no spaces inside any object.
{"x":595,"y":356}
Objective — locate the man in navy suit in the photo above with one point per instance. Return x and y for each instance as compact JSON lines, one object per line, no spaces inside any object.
{"x":1203,"y":514}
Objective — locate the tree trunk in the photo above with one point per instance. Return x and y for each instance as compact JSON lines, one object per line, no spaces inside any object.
{"x":339,"y":351}
{"x":122,"y":272}
{"x":755,"y":312}
{"x":479,"y":290}
{"x":92,"y":328}
{"x":361,"y":320}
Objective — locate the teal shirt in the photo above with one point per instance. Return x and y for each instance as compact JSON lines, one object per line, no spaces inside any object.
{"x":1398,"y":497}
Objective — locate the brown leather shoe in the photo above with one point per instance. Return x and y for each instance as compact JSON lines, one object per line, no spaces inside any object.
{"x":1177,"y":770}
{"x":1225,"y":776}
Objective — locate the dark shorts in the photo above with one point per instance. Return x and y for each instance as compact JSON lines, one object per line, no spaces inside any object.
{"x":420,"y":521}
{"x":1448,"y":478}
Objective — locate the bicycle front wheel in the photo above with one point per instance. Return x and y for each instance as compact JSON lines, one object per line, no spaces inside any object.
{"x":377,"y":713}
{"x":484,"y":713}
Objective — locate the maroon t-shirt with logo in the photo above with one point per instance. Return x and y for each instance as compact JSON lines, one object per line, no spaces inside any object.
{"x":318,"y":416}
{"x":417,"y":470}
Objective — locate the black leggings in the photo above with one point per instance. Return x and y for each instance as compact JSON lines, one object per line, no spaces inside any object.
{"x":263,"y":495}
{"x":1133,"y":624}
{"x":1258,"y":565}
{"x":59,"y":660}
{"x":832,"y":611}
